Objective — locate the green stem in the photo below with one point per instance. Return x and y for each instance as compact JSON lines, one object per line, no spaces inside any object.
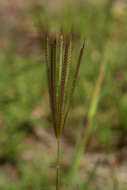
{"x":91,"y":114}
{"x":81,"y":148}
{"x":58,"y":166}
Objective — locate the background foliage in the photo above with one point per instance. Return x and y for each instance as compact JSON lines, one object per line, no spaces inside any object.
{"x":25,"y":125}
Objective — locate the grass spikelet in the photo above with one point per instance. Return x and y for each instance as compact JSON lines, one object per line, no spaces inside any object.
{"x":49,"y":65}
{"x":58,"y":61}
{"x":61,"y":57}
{"x":62,"y":87}
{"x":69,"y":61}
{"x":73,"y":86}
{"x":53,"y":83}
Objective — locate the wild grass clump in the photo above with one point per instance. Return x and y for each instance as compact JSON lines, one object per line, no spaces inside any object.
{"x":61,"y":83}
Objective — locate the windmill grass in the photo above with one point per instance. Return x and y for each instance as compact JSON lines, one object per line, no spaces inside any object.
{"x":59,"y":67}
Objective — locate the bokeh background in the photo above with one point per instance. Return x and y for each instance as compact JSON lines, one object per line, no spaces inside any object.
{"x":27,"y":141}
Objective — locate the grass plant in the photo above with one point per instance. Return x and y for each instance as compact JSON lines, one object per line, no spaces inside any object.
{"x":61,"y":86}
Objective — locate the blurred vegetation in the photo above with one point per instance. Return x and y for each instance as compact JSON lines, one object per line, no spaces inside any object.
{"x":23,"y":87}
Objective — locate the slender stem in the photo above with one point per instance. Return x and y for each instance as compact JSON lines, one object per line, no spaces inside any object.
{"x":58,"y":166}
{"x":91,"y":114}
{"x":81,"y":148}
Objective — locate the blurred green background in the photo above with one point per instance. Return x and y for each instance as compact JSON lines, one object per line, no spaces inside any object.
{"x":27,"y":142}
